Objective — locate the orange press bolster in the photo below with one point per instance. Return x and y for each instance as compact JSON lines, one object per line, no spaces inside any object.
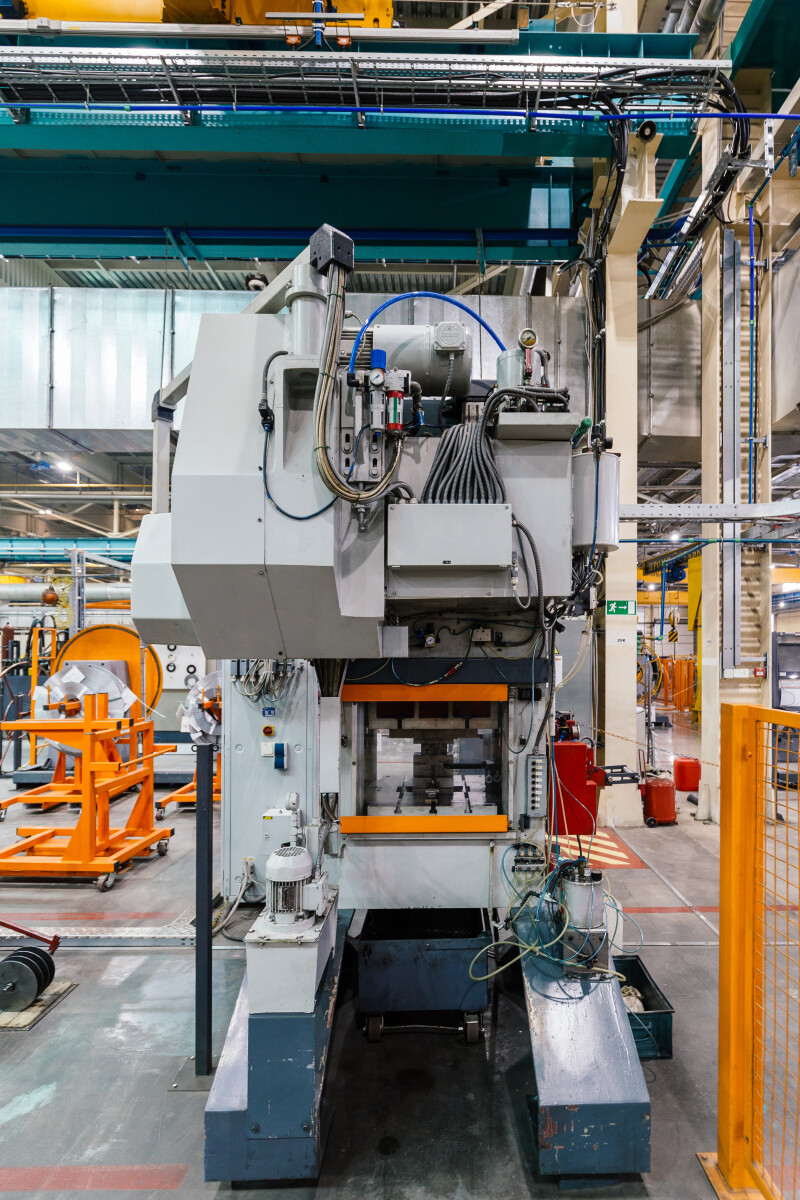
{"x":435,"y":691}
{"x":425,"y":824}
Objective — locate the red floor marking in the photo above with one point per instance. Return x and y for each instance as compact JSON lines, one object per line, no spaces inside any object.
{"x":93,"y":1179}
{"x":86,"y":916}
{"x":608,"y":850}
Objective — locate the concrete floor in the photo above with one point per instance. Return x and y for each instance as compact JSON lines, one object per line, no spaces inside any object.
{"x":86,"y":1097}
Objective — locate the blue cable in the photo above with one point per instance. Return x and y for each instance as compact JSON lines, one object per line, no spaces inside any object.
{"x":274,"y":503}
{"x":355,"y":453}
{"x":351,"y":366}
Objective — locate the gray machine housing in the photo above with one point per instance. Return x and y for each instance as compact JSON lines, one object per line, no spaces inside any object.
{"x":348,"y":584}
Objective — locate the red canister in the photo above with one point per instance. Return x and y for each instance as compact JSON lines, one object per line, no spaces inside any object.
{"x":686,"y":772}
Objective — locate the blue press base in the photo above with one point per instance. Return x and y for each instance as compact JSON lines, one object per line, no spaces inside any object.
{"x":404,"y":967}
{"x":266,"y":1118}
{"x":591,"y":1113}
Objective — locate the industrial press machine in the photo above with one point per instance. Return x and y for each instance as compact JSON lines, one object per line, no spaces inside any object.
{"x":379,"y":547}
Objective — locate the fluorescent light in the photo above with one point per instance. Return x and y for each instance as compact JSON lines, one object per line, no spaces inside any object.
{"x":63,"y":465}
{"x":45,"y":512}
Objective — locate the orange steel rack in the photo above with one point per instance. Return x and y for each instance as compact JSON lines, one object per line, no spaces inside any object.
{"x":188,"y":793}
{"x":92,"y":848}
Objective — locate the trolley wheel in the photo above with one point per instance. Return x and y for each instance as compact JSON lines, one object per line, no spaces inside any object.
{"x":163,"y":846}
{"x":692,"y":798}
{"x":160,"y":814}
{"x":105,"y":883}
{"x":472,"y":1028}
{"x":374,"y":1028}
{"x":651,"y":823}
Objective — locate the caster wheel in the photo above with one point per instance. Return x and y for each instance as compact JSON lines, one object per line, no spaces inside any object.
{"x":160,"y":814}
{"x":3,"y":814}
{"x":374,"y":1028}
{"x":105,"y":883}
{"x":651,"y":823}
{"x":692,"y":798}
{"x":162,"y":847}
{"x":472,"y":1028}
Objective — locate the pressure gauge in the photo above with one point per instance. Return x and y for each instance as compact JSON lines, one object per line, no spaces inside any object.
{"x":377,"y":376}
{"x":528,"y":339}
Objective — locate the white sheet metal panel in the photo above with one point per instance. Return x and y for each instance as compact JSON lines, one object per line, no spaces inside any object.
{"x":283,"y":976}
{"x":108,"y":350}
{"x":24,"y":326}
{"x":440,"y":536}
{"x":422,"y":873}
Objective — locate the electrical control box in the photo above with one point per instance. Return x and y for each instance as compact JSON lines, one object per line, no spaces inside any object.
{"x":277,"y":824}
{"x":446,"y":537}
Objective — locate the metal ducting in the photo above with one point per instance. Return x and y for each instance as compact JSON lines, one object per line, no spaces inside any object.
{"x":40,"y":593}
{"x":707,"y":19}
{"x":700,"y":16}
{"x":687,"y":17}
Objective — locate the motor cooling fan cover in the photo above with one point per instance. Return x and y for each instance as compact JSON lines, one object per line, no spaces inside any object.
{"x":72,"y":682}
{"x":200,"y":721}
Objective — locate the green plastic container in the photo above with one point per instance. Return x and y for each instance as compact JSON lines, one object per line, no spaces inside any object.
{"x":652,"y":1029}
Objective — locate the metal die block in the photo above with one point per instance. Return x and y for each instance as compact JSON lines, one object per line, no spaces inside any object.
{"x":444,"y":536}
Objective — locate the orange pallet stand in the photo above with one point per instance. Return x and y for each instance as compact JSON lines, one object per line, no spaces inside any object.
{"x":93,"y":740}
{"x":92,"y":848}
{"x":188,"y":793}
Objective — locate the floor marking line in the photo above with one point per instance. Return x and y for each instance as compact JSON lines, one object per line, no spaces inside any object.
{"x":166,"y":1178}
{"x":672,"y":908}
{"x":86,"y":916}
{"x":675,"y":891}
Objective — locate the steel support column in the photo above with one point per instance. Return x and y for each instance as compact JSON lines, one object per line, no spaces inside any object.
{"x":622,"y":805}
{"x":708,"y":650}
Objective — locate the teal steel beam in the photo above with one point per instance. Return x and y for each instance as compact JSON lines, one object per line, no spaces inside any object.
{"x":424,"y":249}
{"x":57,"y":549}
{"x":769,"y":39}
{"x":670,"y":192}
{"x":421,"y":210}
{"x":330,"y":137}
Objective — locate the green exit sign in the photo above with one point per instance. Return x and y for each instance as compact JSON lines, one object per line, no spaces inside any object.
{"x":620,"y":608}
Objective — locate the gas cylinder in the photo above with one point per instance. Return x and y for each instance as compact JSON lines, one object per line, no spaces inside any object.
{"x":659,"y":801}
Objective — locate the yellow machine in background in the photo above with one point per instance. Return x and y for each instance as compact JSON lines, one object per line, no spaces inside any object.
{"x":195,"y":12}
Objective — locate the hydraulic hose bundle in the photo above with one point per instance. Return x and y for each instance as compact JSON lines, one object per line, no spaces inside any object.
{"x":326,"y":380}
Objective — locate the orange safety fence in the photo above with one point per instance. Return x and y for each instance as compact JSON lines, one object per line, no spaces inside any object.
{"x":680,"y":681}
{"x":758,"y":1139}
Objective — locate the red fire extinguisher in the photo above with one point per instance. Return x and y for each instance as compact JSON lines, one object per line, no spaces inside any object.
{"x":658,"y":796}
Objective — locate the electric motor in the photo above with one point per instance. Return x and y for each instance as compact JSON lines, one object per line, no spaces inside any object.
{"x":289,"y":869}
